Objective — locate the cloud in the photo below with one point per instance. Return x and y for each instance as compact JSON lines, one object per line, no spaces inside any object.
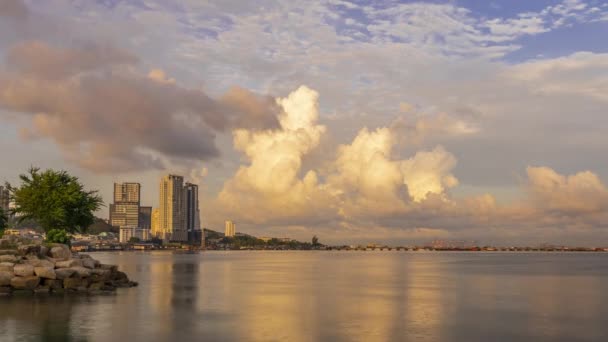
{"x":367,"y":190}
{"x":577,"y":194}
{"x":270,"y":186}
{"x":107,"y":117}
{"x":14,"y":9}
{"x":364,"y":177}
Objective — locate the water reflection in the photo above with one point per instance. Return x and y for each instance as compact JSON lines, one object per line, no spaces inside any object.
{"x":329,"y":296}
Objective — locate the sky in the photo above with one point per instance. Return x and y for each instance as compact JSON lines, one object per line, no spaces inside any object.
{"x":357,"y":121}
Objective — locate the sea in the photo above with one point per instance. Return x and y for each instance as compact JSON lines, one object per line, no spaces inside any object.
{"x":329,"y":296}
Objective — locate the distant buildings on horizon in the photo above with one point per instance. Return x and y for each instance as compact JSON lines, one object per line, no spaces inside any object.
{"x":230,"y":229}
{"x":176,"y":219}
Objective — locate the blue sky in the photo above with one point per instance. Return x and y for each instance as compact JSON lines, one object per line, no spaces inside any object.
{"x":487,"y":104}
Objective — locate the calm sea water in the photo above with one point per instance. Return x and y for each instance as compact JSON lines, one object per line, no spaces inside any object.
{"x":330,"y":296}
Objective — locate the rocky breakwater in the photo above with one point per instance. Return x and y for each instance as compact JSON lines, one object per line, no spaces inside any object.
{"x":43,"y":269}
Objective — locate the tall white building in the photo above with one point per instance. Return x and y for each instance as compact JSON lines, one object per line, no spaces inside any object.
{"x":230,"y":228}
{"x":172,"y":218}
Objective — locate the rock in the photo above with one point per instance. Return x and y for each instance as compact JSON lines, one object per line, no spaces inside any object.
{"x":29,"y":250}
{"x":84,"y":256}
{"x":101,"y":272}
{"x":5,"y":278}
{"x":5,"y":290}
{"x":60,"y":252}
{"x":68,"y":263}
{"x":74,"y":283}
{"x":44,"y":250}
{"x":63,"y":273}
{"x":111,"y":268}
{"x":8,"y":252}
{"x":81,"y":272}
{"x":45,"y":272}
{"x":53,"y":283}
{"x":89,"y":263}
{"x":32,"y":260}
{"x":8,"y":258}
{"x":7,"y":266}
{"x":96,"y":286}
{"x":23,"y":270}
{"x":25,"y":283}
{"x":45,"y":263}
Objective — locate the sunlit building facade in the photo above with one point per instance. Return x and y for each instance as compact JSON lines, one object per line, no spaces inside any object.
{"x":124,"y":212}
{"x":156,"y":231}
{"x":230,"y":229}
{"x":172,"y":218}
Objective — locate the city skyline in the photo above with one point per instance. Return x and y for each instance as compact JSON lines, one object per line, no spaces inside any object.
{"x":351,"y":120}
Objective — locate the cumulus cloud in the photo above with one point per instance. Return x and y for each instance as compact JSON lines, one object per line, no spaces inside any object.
{"x":368,"y":190}
{"x":576,"y":194}
{"x":105,"y":116}
{"x":365,"y":177}
{"x":271,"y":187}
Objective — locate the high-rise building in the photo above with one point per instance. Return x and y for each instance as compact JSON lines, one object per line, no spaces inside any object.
{"x":156,"y":231}
{"x":145,"y":217}
{"x":124,"y":212}
{"x":192,"y":211}
{"x":127,"y":192}
{"x":172,"y":209}
{"x":230,"y":228}
{"x":4,"y":200}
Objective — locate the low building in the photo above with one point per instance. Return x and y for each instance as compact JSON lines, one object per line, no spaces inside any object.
{"x":126,"y":233}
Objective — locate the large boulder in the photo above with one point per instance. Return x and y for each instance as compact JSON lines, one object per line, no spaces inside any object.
{"x":41,"y":263}
{"x":7,"y":266}
{"x":44,"y":250}
{"x":64,"y":273}
{"x":111,"y":268}
{"x":89,"y":263}
{"x":81,"y":272}
{"x":5,"y":278}
{"x":6,"y":243}
{"x":23,"y":270}
{"x":68,"y":263}
{"x":29,"y":250}
{"x":74,"y":283}
{"x":25,"y":283}
{"x":53,"y":283}
{"x":45,"y":272}
{"x":8,"y":251}
{"x":61,"y":252}
{"x":8,"y":258}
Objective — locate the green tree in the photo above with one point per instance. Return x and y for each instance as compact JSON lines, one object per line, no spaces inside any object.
{"x":3,"y":220}
{"x":315,"y":241}
{"x":54,"y":199}
{"x":58,"y":236}
{"x":134,"y":239}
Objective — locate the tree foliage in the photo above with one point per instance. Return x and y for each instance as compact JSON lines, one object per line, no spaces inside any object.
{"x":315,"y":241}
{"x":58,"y":236}
{"x":54,"y":199}
{"x":3,"y":221}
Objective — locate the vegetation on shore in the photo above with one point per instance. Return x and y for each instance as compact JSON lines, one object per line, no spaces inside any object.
{"x":55,"y":200}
